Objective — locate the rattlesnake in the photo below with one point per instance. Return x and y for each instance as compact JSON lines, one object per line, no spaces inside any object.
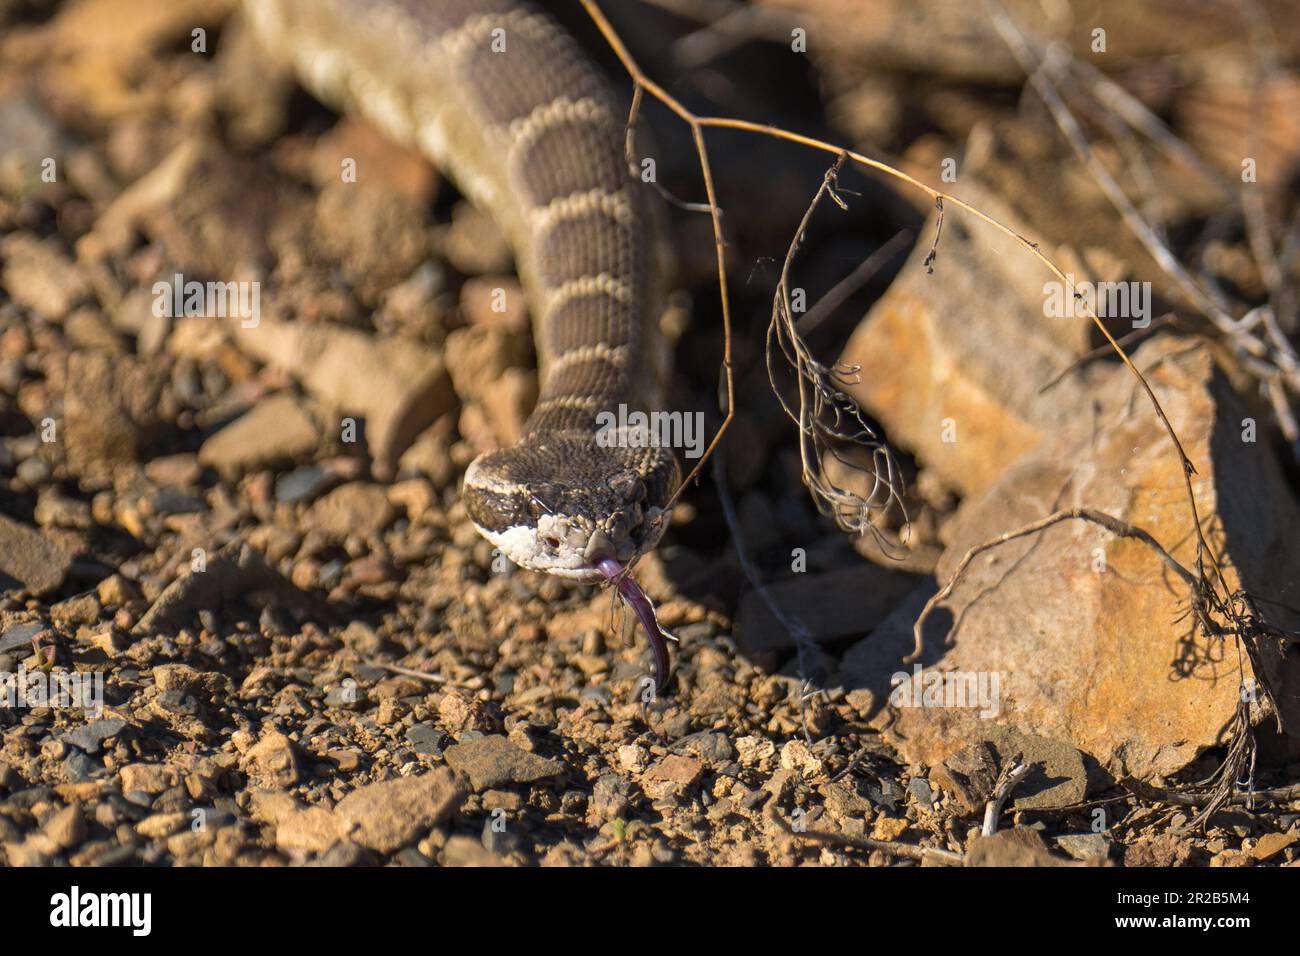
{"x":495,"y":93}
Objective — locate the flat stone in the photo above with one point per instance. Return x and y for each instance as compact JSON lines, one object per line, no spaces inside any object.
{"x":303,"y":484}
{"x":29,"y":559}
{"x":1271,"y":844}
{"x":1020,"y":846}
{"x":357,"y":508}
{"x":38,"y":275}
{"x":675,"y":773}
{"x":67,"y":827}
{"x":426,"y":740}
{"x":277,"y":429}
{"x":20,"y":635}
{"x":82,"y":609}
{"x":399,"y":387}
{"x":312,"y":829}
{"x":389,"y":815}
{"x":91,"y":736}
{"x":1085,"y":846}
{"x":1057,"y":778}
{"x":493,"y":761}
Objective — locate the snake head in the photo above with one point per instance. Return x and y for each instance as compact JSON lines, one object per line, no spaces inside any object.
{"x":562,"y":503}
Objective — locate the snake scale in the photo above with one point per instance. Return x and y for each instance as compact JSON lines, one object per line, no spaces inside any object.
{"x":499,"y":96}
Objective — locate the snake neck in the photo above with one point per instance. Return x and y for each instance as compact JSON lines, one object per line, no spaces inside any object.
{"x":498,"y":95}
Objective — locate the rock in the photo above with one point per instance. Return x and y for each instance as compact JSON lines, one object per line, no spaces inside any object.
{"x":426,"y":740}
{"x":147,"y":778}
{"x":272,"y":762}
{"x":82,"y":609}
{"x":20,"y":636}
{"x":493,"y":761}
{"x":1085,"y":846}
{"x":964,"y":402}
{"x":54,"y":510}
{"x":430,"y":454}
{"x":375,"y":234}
{"x":1019,"y":846}
{"x":303,"y":484}
{"x":378,"y":160}
{"x":345,"y":853}
{"x":362,"y":638}
{"x":38,"y":276}
{"x":1271,"y":844}
{"x":388,"y":815}
{"x":357,"y":508}
{"x":67,"y":827}
{"x":757,"y":752}
{"x":1163,"y":850}
{"x":109,"y":410}
{"x":837,"y":604}
{"x":213,"y":211}
{"x":28,"y":137}
{"x":277,"y":429}
{"x":174,"y":471}
{"x":969,"y":775}
{"x":398,"y":387}
{"x":610,"y":798}
{"x":797,"y":758}
{"x":91,"y":736}
{"x":37,"y":850}
{"x":495,"y":301}
{"x":843,"y":802}
{"x":115,"y":591}
{"x":312,"y":829}
{"x":467,"y":851}
{"x":713,"y":748}
{"x":29,"y":559}
{"x":1057,"y":778}
{"x":229,"y":574}
{"x":1085,"y":630}
{"x":674,"y":774}
{"x":160,"y":826}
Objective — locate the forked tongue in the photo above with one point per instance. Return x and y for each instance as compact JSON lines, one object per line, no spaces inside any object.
{"x":645,"y":612}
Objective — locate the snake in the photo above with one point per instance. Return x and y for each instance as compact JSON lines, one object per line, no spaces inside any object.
{"x":500,"y":97}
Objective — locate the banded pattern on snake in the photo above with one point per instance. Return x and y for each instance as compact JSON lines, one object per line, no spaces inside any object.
{"x":495,"y":93}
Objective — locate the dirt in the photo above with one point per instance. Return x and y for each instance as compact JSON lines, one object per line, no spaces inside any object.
{"x":307,"y":653}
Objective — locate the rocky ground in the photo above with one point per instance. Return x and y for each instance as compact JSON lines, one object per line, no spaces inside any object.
{"x":253,"y":532}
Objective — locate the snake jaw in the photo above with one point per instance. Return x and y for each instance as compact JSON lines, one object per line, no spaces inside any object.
{"x":572,"y":549}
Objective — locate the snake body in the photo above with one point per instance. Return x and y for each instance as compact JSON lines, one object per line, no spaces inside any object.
{"x":500,"y":97}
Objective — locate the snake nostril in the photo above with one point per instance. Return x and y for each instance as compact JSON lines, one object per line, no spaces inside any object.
{"x":551,"y":541}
